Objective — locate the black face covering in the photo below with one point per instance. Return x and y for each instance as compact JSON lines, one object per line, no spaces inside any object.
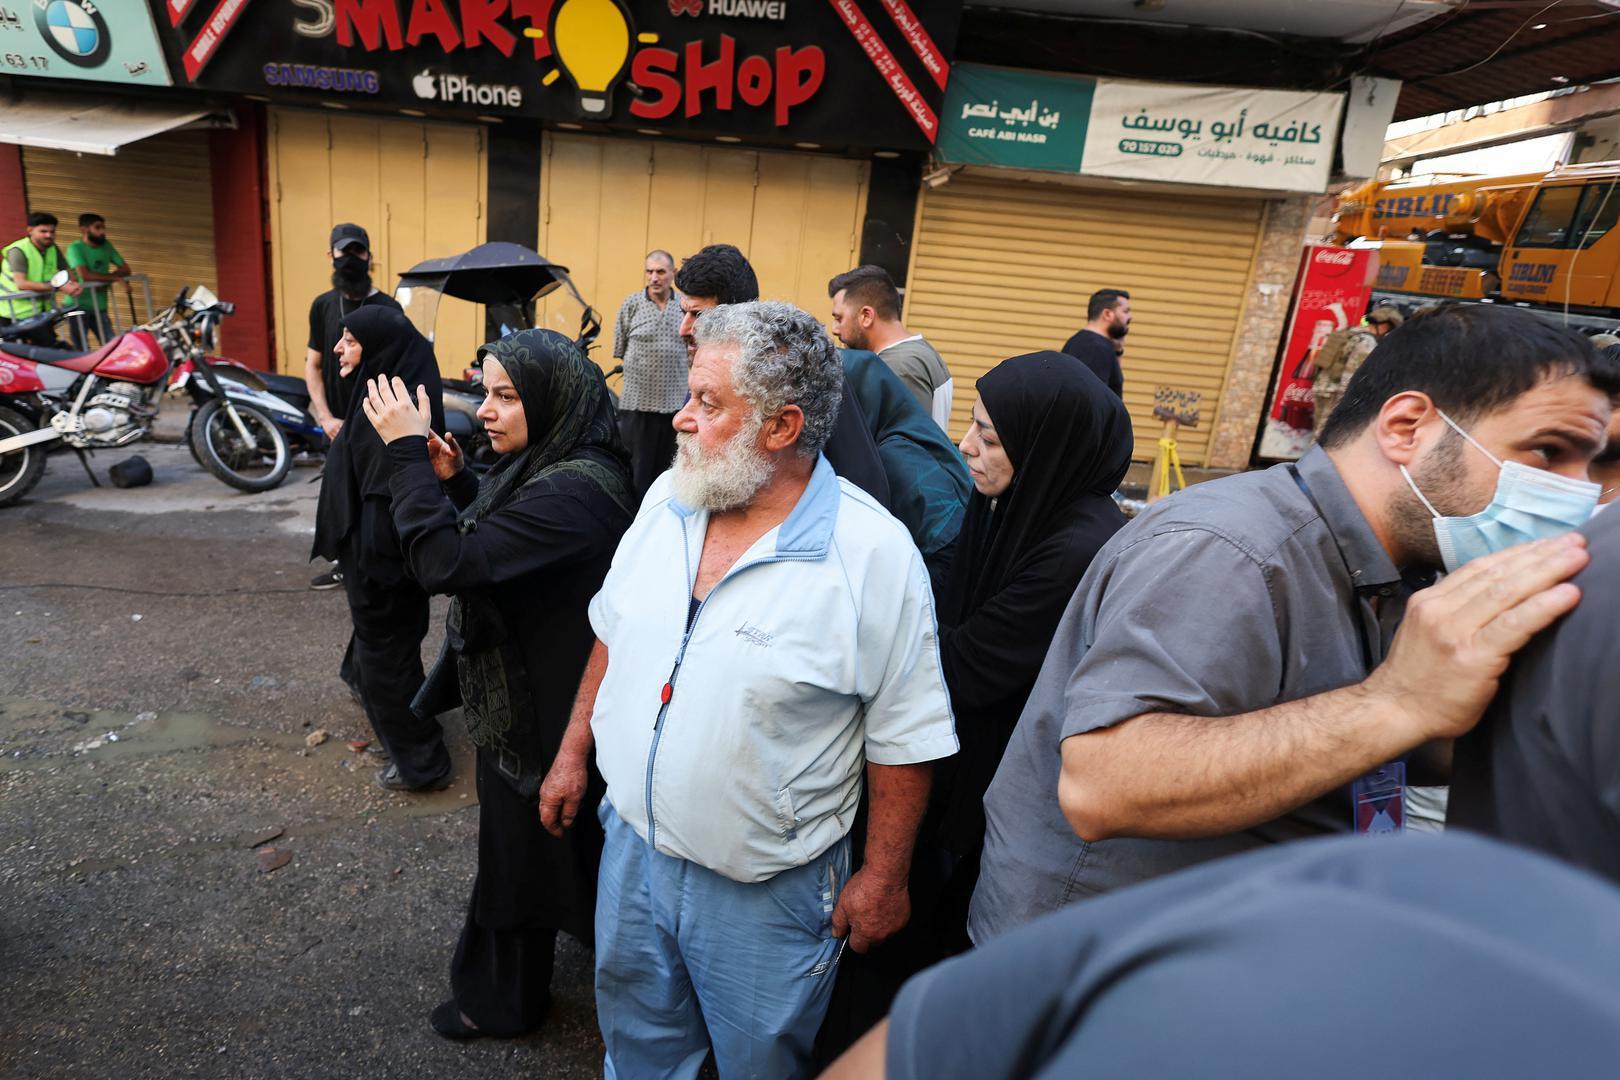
{"x":352,"y":275}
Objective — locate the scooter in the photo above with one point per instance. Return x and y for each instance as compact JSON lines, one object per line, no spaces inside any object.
{"x":51,"y":397}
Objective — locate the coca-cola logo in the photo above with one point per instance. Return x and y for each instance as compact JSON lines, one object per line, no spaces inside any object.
{"x":1336,"y":258}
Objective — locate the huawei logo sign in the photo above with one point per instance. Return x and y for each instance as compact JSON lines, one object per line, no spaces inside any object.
{"x":686,"y":7}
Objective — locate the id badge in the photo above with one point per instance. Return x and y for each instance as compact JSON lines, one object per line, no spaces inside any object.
{"x":1379,"y":798}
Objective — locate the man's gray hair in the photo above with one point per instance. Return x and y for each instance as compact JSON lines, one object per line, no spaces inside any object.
{"x":784,"y":358}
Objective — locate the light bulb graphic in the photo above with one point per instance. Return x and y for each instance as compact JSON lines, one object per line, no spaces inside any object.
{"x":591,"y":39}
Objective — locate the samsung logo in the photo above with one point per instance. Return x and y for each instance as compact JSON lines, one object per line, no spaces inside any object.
{"x":310,"y":77}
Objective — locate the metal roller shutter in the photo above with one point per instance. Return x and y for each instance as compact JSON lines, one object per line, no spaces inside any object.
{"x":416,"y":187}
{"x":158,"y":200}
{"x":1003,"y":267}
{"x":605,"y":202}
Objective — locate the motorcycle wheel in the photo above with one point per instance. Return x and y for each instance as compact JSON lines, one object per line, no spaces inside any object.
{"x":217,"y":444}
{"x":19,"y":472}
{"x":191,"y":443}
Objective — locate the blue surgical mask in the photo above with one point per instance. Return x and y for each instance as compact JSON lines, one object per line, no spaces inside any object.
{"x":1529,"y":504}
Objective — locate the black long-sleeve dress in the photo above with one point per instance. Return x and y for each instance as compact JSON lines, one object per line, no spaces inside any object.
{"x":1017,"y":562}
{"x":538,"y":558}
{"x":353,"y":526}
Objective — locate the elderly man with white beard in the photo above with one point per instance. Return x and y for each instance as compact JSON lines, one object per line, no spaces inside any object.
{"x":766,"y":636}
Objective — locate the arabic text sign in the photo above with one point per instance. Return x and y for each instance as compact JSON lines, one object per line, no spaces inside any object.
{"x":1280,"y":140}
{"x":104,"y":40}
{"x":1016,"y":119}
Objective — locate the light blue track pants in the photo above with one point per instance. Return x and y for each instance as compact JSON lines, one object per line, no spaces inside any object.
{"x":687,"y":959}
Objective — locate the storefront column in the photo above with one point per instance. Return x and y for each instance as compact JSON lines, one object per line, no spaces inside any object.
{"x":13,"y":196}
{"x":514,"y":190}
{"x":241,"y":243}
{"x":891,"y":215}
{"x":514,"y":182}
{"x":1265,"y":314}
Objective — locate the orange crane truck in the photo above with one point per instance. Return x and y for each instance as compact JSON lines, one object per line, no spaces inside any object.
{"x":1543,"y":241}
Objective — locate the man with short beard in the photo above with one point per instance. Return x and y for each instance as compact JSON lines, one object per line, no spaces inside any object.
{"x":329,"y":391}
{"x":93,"y":259}
{"x":766,"y":636}
{"x":1229,"y":674}
{"x":1100,"y":343}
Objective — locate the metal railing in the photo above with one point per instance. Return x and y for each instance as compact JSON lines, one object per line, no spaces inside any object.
{"x":104,"y":324}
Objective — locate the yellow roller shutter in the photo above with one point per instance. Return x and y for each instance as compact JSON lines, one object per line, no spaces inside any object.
{"x":1003,"y":267}
{"x":158,"y":201}
{"x":417,"y":188}
{"x":604,"y":203}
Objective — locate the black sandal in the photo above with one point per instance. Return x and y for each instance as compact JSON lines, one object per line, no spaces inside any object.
{"x":447,"y":1021}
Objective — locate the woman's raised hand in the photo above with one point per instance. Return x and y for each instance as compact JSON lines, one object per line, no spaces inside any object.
{"x":389,"y":408}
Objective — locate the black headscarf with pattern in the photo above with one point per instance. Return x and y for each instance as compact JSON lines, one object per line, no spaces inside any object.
{"x":573,"y":432}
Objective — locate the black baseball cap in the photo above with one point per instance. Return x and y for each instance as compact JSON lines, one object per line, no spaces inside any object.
{"x":346,"y":234}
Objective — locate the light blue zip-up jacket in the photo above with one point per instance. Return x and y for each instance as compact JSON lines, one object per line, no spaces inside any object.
{"x":816,"y":653}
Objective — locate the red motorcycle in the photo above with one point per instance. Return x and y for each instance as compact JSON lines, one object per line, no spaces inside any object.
{"x":109,"y":398}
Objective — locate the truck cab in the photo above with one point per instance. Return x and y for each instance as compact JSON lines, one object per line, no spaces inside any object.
{"x":1566,"y":250}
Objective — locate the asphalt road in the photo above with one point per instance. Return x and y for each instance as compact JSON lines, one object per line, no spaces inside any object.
{"x":163,"y":665}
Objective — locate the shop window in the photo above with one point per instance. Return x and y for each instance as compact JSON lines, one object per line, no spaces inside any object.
{"x":1551,"y":215}
{"x":1599,"y":210}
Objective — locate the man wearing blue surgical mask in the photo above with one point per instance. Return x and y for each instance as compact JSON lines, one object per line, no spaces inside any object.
{"x":1229,"y":672}
{"x":1542,"y":769}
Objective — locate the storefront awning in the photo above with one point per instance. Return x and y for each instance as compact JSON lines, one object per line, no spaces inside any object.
{"x":87,"y":126}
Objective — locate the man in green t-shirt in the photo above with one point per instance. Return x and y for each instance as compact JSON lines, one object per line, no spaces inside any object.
{"x":94,"y":259}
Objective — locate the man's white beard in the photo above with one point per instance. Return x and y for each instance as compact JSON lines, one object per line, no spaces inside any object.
{"x":723,"y":480}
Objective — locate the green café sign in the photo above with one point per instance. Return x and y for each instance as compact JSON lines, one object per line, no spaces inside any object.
{"x":1016,"y":119}
{"x":1278,"y":140}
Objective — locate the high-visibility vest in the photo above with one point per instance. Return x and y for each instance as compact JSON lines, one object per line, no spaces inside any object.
{"x":41,"y":267}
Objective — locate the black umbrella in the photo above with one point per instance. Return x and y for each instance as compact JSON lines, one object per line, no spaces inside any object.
{"x":493,"y":273}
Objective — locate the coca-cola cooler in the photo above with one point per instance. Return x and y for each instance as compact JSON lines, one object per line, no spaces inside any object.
{"x":1330,"y":293}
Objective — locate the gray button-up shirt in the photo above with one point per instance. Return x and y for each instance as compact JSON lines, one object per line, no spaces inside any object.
{"x":648,"y":340}
{"x":1234,"y":595}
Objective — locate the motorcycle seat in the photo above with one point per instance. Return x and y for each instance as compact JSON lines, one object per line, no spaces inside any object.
{"x":72,"y":359}
{"x":42,"y":353}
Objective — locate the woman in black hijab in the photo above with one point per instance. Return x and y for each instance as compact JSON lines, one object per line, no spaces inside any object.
{"x":353,"y":525}
{"x":1048,"y":446}
{"x":521,"y":554}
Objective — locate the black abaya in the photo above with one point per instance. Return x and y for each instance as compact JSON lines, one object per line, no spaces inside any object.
{"x":522,"y":554}
{"x":1018,"y":561}
{"x":1015,"y":566}
{"x":500,"y":974}
{"x":353,"y":526}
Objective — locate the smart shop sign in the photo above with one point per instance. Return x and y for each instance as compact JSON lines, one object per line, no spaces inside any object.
{"x":840,"y":72}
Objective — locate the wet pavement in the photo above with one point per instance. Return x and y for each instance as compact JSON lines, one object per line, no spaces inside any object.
{"x":164,"y":664}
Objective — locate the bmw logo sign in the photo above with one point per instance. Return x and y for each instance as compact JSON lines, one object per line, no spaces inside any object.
{"x":74,"y":29}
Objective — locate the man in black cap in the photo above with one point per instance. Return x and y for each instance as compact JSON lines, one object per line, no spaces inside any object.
{"x":351,"y":290}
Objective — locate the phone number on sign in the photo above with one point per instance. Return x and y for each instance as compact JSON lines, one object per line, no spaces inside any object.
{"x":25,"y":63}
{"x":1158,"y":149}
